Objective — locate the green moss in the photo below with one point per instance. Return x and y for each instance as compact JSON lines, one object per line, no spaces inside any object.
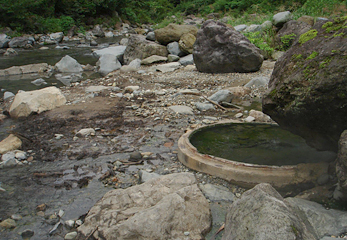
{"x":312,"y":56}
{"x":325,"y":62}
{"x":296,"y":56}
{"x":335,"y":25}
{"x":307,"y":36}
{"x":327,"y":24}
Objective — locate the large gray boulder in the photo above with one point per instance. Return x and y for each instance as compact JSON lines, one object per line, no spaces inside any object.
{"x":307,"y":89}
{"x":4,"y":40}
{"x":68,"y":64}
{"x":168,"y":207}
{"x":26,"y":103}
{"x":108,"y":63}
{"x":219,"y":49}
{"x":262,"y":214}
{"x":173,"y":33}
{"x":139,"y":47}
{"x":98,"y":32}
{"x":57,"y":37}
{"x":21,"y":42}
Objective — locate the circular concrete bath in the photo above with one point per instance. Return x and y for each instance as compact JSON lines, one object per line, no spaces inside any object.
{"x":287,"y":177}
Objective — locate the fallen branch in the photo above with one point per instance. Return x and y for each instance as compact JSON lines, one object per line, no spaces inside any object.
{"x":211,"y":101}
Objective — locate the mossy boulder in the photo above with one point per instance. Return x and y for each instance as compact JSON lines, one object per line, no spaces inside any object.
{"x":308,"y":88}
{"x":173,"y":33}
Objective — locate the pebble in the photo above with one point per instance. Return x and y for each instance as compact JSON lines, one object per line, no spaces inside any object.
{"x":85,"y":132}
{"x":70,"y":223}
{"x":186,"y":233}
{"x":41,"y":207}
{"x":16,"y":217}
{"x":238,"y":115}
{"x":70,"y":236}
{"x":249,"y":119}
{"x":79,"y":222}
{"x":27,"y":233}
{"x":8,"y":223}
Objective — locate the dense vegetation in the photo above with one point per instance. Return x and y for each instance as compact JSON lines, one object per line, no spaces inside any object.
{"x":61,"y":15}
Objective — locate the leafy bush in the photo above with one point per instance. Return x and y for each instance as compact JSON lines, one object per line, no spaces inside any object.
{"x":287,"y":41}
{"x":263,"y":41}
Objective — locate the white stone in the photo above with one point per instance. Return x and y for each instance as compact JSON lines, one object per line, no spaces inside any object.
{"x":20,"y":155}
{"x":70,"y":236}
{"x":182,"y":109}
{"x":168,"y":67}
{"x":26,"y":103}
{"x":117,"y":51}
{"x":8,"y":95}
{"x":249,"y":119}
{"x":238,"y":115}
{"x":85,"y":132}
{"x":108,"y":63}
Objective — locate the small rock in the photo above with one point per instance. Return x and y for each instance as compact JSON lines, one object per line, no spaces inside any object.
{"x":61,"y":213}
{"x":238,"y":115}
{"x":27,"y":233}
{"x":16,"y":217}
{"x":70,"y":223}
{"x":39,"y":81}
{"x":135,"y":156}
{"x":249,"y":119}
{"x":85,"y":132}
{"x":8,"y":223}
{"x":204,"y":106}
{"x":41,"y":207}
{"x":58,"y":136}
{"x":182,"y":109}
{"x":70,"y":236}
{"x":20,"y":155}
{"x":186,"y":233}
{"x":8,"y":95}
{"x":131,"y":89}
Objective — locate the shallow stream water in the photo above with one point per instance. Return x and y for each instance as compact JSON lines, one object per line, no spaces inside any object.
{"x":82,"y":53}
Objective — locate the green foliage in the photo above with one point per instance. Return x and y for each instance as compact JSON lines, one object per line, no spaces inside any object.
{"x":287,"y":41}
{"x":312,"y":56}
{"x":308,"y":36}
{"x":319,"y":7}
{"x":260,"y":40}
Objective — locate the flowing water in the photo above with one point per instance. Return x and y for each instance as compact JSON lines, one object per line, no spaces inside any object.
{"x":83,"y":54}
{"x":262,"y":144}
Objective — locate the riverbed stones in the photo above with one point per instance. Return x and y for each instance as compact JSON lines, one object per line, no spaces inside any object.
{"x":180,"y":109}
{"x":186,"y":43}
{"x":187,"y":60}
{"x":219,"y":49}
{"x":168,"y":67}
{"x":117,"y":51}
{"x":12,"y":142}
{"x":173,"y":33}
{"x":98,"y":32}
{"x":222,"y":96}
{"x":153,"y":59}
{"x":161,"y":208}
{"x":56,"y":37}
{"x":261,"y":213}
{"x":25,"y":69}
{"x":307,"y":90}
{"x":8,"y":223}
{"x":69,"y":65}
{"x":26,"y":103}
{"x":21,"y":42}
{"x":139,"y":47}
{"x":85,"y":132}
{"x":174,"y":48}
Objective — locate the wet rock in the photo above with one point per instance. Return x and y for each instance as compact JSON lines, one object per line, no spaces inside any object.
{"x":153,"y":59}
{"x":281,"y":18}
{"x":182,"y":109}
{"x":219,"y":49}
{"x":4,"y":40}
{"x":261,"y":213}
{"x":173,"y":32}
{"x":39,"y":82}
{"x":187,"y":60}
{"x":10,"y":143}
{"x":162,"y":208}
{"x":216,"y":192}
{"x":8,"y":223}
{"x":68,"y":64}
{"x":85,"y":132}
{"x":26,"y":103}
{"x":258,"y":82}
{"x":28,"y":233}
{"x":139,"y":47}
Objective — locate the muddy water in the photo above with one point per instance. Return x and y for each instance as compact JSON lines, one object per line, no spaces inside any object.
{"x":51,"y":56}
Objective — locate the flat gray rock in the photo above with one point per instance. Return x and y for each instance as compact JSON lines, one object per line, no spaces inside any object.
{"x":182,"y":109}
{"x":216,"y":192}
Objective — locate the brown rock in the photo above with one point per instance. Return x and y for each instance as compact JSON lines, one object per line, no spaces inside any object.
{"x":173,"y":33}
{"x":10,"y":143}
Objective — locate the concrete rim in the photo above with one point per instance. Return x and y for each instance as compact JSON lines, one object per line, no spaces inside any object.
{"x":245,"y":174}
